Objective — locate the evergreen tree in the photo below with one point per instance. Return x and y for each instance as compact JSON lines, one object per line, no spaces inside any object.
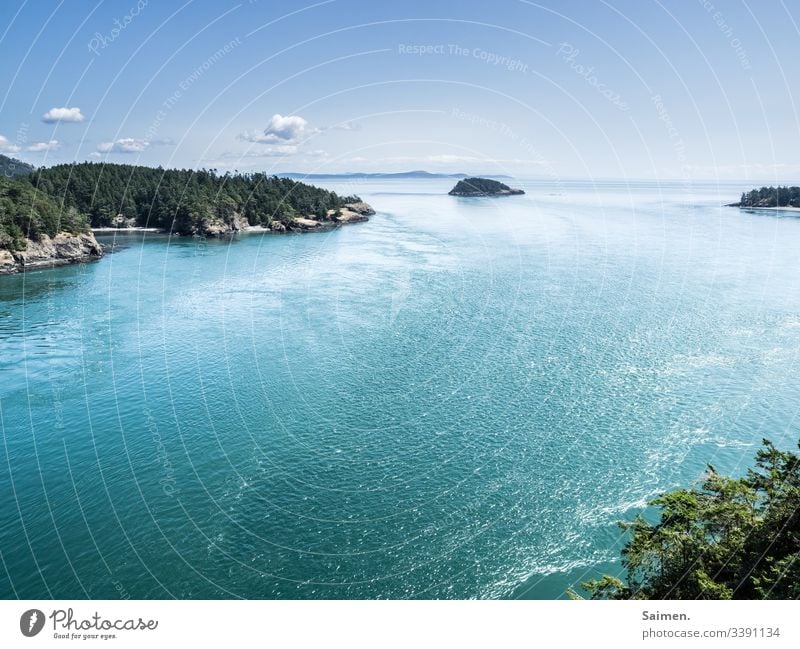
{"x":733,"y":538}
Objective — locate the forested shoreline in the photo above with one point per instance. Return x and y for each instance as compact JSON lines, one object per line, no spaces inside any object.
{"x":781,"y":196}
{"x":75,"y":197}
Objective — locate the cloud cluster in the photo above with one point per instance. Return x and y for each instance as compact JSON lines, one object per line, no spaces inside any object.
{"x":63,"y":115}
{"x":6,"y":146}
{"x":38,"y":147}
{"x":280,"y":129}
{"x":130,"y":145}
{"x":123,"y":145}
{"x":345,"y":126}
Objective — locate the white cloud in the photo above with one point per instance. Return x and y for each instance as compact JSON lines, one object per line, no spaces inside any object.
{"x":63,"y":115}
{"x":123,"y":145}
{"x":345,"y":126}
{"x":37,"y":147}
{"x":280,"y":129}
{"x":6,"y":146}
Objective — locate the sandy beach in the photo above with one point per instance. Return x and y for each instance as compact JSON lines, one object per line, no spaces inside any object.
{"x":124,"y":230}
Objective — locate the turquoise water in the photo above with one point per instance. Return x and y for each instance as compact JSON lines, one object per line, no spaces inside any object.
{"x":457,"y":399}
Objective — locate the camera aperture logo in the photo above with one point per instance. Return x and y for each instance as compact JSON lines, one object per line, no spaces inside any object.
{"x":66,"y":626}
{"x":31,"y":622}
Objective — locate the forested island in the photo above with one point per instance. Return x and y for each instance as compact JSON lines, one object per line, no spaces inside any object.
{"x":731,"y":538}
{"x":47,"y":214}
{"x":482,"y":187}
{"x":770,"y":197}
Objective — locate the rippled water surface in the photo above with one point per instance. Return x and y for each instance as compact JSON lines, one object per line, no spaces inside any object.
{"x":457,"y":399}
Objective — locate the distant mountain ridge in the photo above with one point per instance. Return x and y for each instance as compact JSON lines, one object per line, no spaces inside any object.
{"x":388,"y":175}
{"x":13,"y":168}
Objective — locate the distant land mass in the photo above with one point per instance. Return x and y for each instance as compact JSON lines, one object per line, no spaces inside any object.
{"x":482,"y":187}
{"x":387,"y":175}
{"x":12,"y":168}
{"x":786,"y":198}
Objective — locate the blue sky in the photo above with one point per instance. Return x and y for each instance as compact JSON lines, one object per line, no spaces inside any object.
{"x":625,"y":89}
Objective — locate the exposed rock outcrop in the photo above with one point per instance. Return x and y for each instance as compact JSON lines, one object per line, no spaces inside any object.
{"x":348,"y":216}
{"x":63,"y":248}
{"x":7,"y":263}
{"x":349,"y":213}
{"x":355,"y":212}
{"x":352,"y":213}
{"x":365,"y":209}
{"x":122,"y":222}
{"x":222,"y":228}
{"x":305,"y":224}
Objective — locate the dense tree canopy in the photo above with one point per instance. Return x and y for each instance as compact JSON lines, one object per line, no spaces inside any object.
{"x":771,"y":197}
{"x":72,"y":197}
{"x":730,"y":539}
{"x":177,"y":199}
{"x":26,"y":213}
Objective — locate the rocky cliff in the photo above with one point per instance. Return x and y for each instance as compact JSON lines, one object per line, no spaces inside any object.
{"x":63,"y":248}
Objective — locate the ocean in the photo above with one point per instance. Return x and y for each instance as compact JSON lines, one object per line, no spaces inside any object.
{"x":457,"y":399}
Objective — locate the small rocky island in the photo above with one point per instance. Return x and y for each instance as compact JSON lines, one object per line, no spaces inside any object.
{"x":482,"y":187}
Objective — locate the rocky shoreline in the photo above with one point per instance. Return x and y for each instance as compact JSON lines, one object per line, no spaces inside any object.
{"x":774,"y":208}
{"x":237,"y":224}
{"x":67,"y":248}
{"x":349,"y":213}
{"x":64,"y":248}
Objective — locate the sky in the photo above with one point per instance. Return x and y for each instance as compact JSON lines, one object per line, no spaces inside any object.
{"x":696,"y":89}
